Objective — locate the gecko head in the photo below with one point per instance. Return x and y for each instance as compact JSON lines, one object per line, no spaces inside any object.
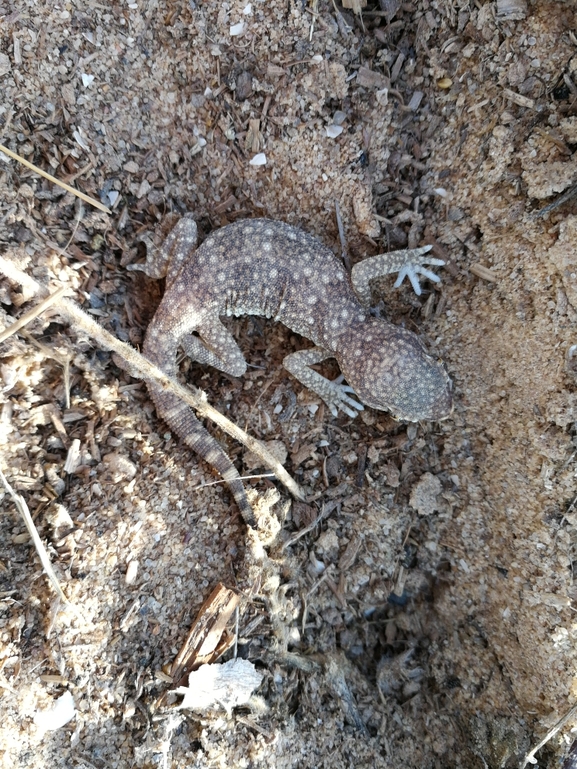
{"x":389,"y":369}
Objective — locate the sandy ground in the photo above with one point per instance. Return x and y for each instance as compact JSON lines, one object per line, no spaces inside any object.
{"x":428,"y":619}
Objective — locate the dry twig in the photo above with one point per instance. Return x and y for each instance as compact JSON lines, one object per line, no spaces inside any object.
{"x":530,"y":757}
{"x":194,"y":398}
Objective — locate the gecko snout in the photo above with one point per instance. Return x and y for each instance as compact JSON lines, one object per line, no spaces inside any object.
{"x":389,"y":369}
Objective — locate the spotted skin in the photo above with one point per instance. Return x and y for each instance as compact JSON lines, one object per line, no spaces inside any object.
{"x":264,"y":267}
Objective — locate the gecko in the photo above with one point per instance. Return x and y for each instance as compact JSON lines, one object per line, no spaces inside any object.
{"x":269,"y":268}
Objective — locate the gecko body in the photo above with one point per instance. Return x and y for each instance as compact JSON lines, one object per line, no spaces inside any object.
{"x":269,"y":268}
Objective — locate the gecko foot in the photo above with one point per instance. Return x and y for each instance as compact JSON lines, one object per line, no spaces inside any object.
{"x":337,"y":398}
{"x":413,"y":269}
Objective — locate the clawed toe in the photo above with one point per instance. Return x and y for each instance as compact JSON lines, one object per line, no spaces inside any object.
{"x":412,"y":272}
{"x":341,"y":400}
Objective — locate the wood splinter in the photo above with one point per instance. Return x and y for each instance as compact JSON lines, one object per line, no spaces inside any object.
{"x":207,"y":639}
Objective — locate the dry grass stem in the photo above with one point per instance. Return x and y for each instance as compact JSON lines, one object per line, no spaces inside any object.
{"x":33,"y":313}
{"x":54,"y":180}
{"x":22,"y":508}
{"x":530,"y":757}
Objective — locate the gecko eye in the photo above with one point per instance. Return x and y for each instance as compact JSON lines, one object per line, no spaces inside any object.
{"x":394,"y":372}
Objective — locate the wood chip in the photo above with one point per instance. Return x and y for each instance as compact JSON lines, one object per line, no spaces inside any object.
{"x":483,"y":272}
{"x":274,"y":70}
{"x":367,"y":78}
{"x":5,"y":65}
{"x":53,"y":679}
{"x":355,"y":5}
{"x":348,"y":558}
{"x":202,"y":645}
{"x":416,"y":100}
{"x":517,"y":98}
{"x":17,"y":49}
{"x":73,"y":457}
{"x":219,"y":686}
{"x":513,"y":10}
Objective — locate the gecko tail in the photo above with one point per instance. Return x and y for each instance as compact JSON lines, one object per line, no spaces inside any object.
{"x":180,"y":418}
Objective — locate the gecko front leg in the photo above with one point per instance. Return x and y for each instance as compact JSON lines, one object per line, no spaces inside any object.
{"x":166,"y":261}
{"x":408,"y":263}
{"x":334,"y":394}
{"x":215,"y":346}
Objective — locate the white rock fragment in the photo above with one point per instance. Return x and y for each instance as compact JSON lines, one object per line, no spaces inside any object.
{"x":113,"y":196}
{"x":119,"y":467}
{"x":247,"y":10}
{"x":237,"y":29}
{"x":315,"y":566}
{"x":8,"y":372}
{"x":87,"y":80}
{"x":73,"y":457}
{"x":383,"y":97}
{"x":425,"y":493}
{"x":200,"y":143}
{"x":131,"y":572}
{"x":55,"y":717}
{"x":80,"y":139}
{"x":224,"y":685}
{"x":258,"y":160}
{"x":317,"y":58}
{"x":5,"y":65}
{"x":333,"y":131}
{"x":59,"y":517}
